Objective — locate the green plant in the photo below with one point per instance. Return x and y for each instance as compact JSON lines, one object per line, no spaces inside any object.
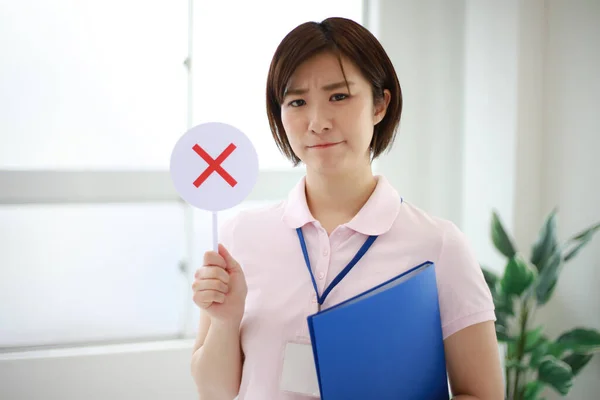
{"x":532,"y":359}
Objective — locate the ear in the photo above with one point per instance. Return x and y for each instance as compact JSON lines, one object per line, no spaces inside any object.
{"x":380,"y":108}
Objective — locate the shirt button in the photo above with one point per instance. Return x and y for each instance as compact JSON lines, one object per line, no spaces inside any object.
{"x":321,"y":275}
{"x":314,"y":299}
{"x":325,"y":252}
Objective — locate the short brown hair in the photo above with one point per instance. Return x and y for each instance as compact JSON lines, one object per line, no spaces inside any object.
{"x":343,"y":37}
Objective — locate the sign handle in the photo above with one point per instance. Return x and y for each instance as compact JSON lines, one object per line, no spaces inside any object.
{"x":215,"y":232}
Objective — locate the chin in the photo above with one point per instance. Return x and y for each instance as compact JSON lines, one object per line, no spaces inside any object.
{"x":330,"y":168}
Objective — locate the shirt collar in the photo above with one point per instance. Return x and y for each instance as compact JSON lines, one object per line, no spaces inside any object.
{"x":374,"y":218}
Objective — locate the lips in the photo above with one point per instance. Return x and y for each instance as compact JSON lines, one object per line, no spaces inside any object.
{"x":324,"y":145}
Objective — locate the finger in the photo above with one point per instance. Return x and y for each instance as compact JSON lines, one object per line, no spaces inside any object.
{"x":212,"y":273}
{"x":206,"y":297}
{"x":232,"y":264}
{"x":212,"y":258}
{"x":210,"y":284}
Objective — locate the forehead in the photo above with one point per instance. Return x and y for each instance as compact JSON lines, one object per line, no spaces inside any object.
{"x":325,"y":68}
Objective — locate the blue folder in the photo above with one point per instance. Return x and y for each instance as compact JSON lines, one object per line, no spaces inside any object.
{"x":385,"y":343}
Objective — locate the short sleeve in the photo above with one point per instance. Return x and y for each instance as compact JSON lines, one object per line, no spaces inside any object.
{"x":464,"y":297}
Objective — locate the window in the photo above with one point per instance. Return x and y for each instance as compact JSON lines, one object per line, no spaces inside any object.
{"x":229,"y":83}
{"x":92,"y":84}
{"x":103,"y":85}
{"x":95,"y":244}
{"x":88,"y":272}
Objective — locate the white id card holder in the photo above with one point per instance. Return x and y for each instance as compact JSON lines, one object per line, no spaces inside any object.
{"x":299,"y":374}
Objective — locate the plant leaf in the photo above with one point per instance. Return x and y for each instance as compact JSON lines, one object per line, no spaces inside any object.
{"x":577,"y":361}
{"x":557,"y":374}
{"x":500,"y":238}
{"x":547,"y":279}
{"x":502,"y":334}
{"x":555,"y":350}
{"x":586,"y":232}
{"x":546,"y":243}
{"x":518,"y":276}
{"x":511,"y":350}
{"x":514,"y":364}
{"x":539,"y":352}
{"x":503,"y":302}
{"x":580,"y":240}
{"x":490,"y":278}
{"x":580,"y":340}
{"x":532,"y":390}
{"x":543,"y":348}
{"x":532,"y":338}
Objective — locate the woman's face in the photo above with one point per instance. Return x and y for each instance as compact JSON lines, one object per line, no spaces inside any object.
{"x":329,"y":128}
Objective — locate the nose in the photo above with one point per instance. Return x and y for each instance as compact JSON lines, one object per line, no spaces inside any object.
{"x":319,"y":122}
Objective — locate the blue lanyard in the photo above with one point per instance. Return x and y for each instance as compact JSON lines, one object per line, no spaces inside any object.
{"x":342,"y":274}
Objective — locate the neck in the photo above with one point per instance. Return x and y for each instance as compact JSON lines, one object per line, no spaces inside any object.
{"x":335,"y":199}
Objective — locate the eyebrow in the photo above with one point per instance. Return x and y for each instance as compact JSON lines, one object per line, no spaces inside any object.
{"x":326,"y":88}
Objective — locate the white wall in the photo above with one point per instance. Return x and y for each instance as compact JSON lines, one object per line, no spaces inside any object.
{"x":571,"y":167}
{"x":458,"y":66}
{"x":152,"y":371}
{"x":425,"y":40}
{"x":523,"y":76}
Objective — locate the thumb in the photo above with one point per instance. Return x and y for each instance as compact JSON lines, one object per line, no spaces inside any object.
{"x":232,"y":264}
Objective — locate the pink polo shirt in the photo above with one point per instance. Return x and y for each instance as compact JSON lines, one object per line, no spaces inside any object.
{"x":281,"y":293}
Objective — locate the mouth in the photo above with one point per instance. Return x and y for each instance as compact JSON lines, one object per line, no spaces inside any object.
{"x":324,"y":145}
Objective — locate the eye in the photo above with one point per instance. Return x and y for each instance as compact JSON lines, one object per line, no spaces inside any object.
{"x":296,"y":103}
{"x":339,"y":96}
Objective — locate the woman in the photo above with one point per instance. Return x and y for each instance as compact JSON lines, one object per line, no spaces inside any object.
{"x":334,"y":103}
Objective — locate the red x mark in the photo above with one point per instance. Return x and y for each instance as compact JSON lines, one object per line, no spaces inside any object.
{"x":214,"y":165}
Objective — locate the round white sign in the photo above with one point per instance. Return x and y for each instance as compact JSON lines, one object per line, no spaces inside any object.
{"x":214,"y":166}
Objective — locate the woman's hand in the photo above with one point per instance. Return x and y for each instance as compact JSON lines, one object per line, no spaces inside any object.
{"x":220,"y":287}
